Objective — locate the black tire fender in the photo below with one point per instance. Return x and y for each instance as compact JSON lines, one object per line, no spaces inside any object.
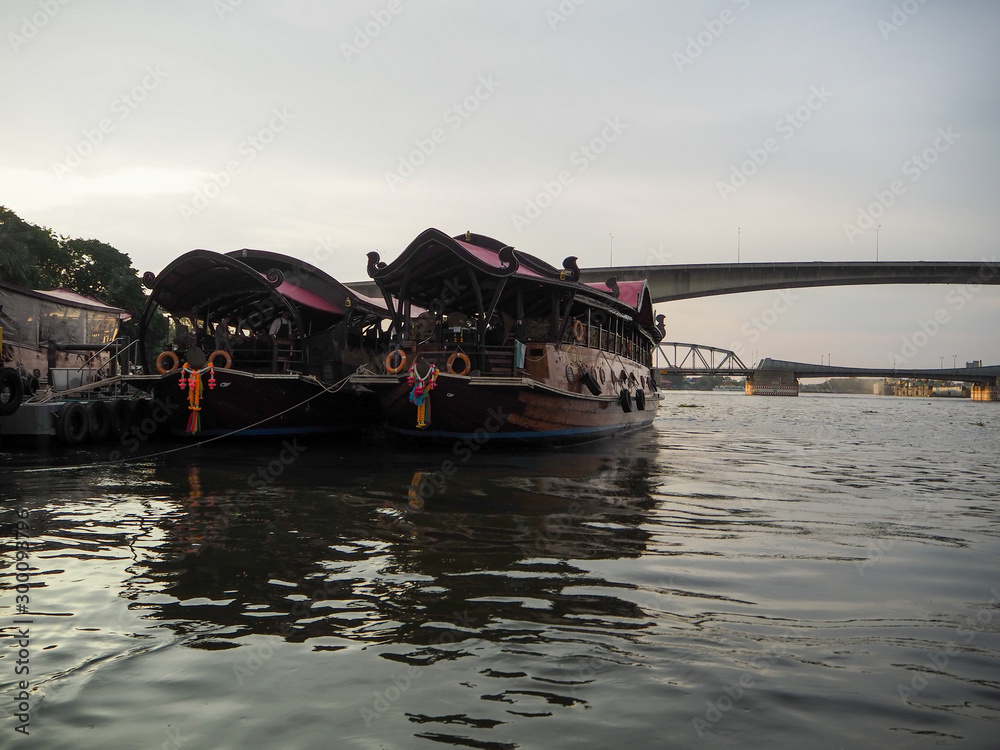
{"x":11,"y":391}
{"x":590,"y":381}
{"x":626,"y":400}
{"x":121,"y":417}
{"x":99,"y":416}
{"x":72,"y":423}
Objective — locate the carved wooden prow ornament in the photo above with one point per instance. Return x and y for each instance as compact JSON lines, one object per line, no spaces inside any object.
{"x":570,"y":270}
{"x":612,"y":284}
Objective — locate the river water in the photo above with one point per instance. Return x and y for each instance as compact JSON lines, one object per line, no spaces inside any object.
{"x":817,"y":572}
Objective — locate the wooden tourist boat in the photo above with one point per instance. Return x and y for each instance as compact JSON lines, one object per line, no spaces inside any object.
{"x":509,"y":348}
{"x":262,"y":344}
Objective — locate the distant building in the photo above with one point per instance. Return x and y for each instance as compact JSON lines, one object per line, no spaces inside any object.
{"x":919,"y":388}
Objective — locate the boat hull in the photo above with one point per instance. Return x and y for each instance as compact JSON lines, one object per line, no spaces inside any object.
{"x":262,"y":405}
{"x":507,"y":410}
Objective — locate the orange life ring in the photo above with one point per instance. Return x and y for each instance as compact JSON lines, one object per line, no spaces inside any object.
{"x":578,"y":330}
{"x":395,"y":353}
{"x":461,"y":356}
{"x":227,"y":359}
{"x":162,"y":359}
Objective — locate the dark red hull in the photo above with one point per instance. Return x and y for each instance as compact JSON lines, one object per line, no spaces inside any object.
{"x":251,"y":404}
{"x":507,"y":410}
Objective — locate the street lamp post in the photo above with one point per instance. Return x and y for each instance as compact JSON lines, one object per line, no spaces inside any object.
{"x":876,"y":242}
{"x":954,"y":361}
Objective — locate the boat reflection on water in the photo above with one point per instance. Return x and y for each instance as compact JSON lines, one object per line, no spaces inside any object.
{"x":401,"y":552}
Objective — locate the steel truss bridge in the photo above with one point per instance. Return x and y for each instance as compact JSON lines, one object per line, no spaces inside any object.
{"x":695,"y":359}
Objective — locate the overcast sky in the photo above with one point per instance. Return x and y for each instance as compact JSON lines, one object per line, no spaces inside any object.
{"x":690,"y":131}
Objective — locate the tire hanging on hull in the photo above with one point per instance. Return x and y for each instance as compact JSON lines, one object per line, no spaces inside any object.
{"x":626,"y":400}
{"x":72,"y":423}
{"x":99,"y":420}
{"x":590,"y":381}
{"x":11,"y":391}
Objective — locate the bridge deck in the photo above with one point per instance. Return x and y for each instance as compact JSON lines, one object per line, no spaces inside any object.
{"x":675,"y":282}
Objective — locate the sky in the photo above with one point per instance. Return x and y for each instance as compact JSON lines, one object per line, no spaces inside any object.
{"x":626,"y":131}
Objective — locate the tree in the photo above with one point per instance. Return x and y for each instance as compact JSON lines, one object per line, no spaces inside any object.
{"x":35,"y":257}
{"x":30,"y":255}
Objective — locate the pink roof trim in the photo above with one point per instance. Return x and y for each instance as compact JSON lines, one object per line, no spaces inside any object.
{"x":307,"y":298}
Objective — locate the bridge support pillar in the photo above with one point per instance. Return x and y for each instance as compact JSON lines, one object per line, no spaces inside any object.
{"x":772,"y":383}
{"x":986,"y":391}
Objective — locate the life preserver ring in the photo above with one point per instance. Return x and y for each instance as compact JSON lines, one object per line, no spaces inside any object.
{"x":578,"y":331}
{"x":396,"y":354}
{"x":461,"y":357}
{"x":11,"y":391}
{"x":163,"y":358}
{"x":73,"y":423}
{"x":227,"y":359}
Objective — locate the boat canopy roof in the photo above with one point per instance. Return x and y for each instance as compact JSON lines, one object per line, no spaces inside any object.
{"x":201,"y":278}
{"x":430,"y":269}
{"x":307,"y":284}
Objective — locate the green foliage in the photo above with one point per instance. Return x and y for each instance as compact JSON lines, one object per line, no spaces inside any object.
{"x":30,"y":255}
{"x":34,"y":257}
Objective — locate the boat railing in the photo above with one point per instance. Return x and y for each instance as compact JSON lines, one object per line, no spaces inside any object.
{"x":492,"y":360}
{"x":280,"y":355}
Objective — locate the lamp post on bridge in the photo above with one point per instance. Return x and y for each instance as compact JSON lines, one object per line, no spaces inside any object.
{"x":942,"y":361}
{"x":876,"y":242}
{"x":954,"y":361}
